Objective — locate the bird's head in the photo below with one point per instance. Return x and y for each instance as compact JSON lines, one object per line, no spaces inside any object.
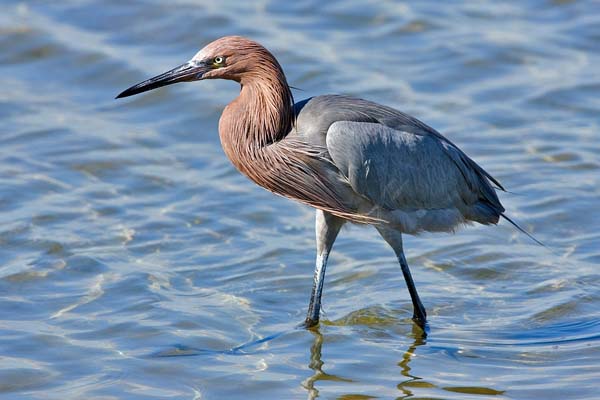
{"x":230,"y":57}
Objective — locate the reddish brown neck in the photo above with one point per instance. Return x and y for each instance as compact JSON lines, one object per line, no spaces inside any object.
{"x":261,"y":115}
{"x":253,"y":131}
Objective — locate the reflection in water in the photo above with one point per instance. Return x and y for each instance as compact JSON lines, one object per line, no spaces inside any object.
{"x":419,"y":340}
{"x":316,"y":364}
{"x":407,"y":386}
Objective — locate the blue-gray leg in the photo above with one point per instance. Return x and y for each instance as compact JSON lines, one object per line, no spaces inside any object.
{"x":394,"y":239}
{"x":327,"y":227}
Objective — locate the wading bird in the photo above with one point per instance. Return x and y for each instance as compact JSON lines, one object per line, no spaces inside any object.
{"x":351,"y":159}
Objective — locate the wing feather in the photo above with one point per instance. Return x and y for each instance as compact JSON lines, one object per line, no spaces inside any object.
{"x":398,"y":169}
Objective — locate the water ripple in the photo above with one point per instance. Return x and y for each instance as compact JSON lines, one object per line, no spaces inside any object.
{"x":127,"y":238}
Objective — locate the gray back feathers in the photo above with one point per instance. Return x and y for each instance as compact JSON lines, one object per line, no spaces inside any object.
{"x":395,"y":161}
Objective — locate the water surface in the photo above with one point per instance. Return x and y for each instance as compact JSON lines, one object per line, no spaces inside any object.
{"x":137,"y":263}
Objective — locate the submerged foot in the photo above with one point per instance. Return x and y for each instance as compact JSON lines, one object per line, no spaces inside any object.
{"x":420,"y":322}
{"x":309,"y":323}
{"x":420,"y":317}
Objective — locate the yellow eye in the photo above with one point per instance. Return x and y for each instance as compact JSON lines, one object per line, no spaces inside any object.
{"x":219,"y":60}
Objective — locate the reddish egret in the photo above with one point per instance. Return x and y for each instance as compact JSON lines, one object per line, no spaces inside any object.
{"x":351,"y":159}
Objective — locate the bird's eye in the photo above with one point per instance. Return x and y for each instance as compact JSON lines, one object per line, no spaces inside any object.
{"x":219,"y":60}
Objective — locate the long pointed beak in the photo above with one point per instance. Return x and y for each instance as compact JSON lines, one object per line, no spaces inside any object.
{"x":190,"y":71}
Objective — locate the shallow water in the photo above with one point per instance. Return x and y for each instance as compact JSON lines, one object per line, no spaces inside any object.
{"x":137,"y":263}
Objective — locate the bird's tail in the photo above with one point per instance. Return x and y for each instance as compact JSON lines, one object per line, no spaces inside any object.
{"x":513,"y":223}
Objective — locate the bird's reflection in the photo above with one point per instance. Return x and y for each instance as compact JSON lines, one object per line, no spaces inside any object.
{"x":419,"y":340}
{"x":316,"y":364}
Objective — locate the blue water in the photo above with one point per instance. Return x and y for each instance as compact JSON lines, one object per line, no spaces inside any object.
{"x":135,"y":262}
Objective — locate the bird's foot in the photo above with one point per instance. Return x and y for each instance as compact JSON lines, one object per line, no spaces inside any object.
{"x":309,"y":323}
{"x":420,"y":317}
{"x":421,"y":322}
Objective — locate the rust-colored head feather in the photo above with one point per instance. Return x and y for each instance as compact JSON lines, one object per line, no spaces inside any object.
{"x":253,"y":128}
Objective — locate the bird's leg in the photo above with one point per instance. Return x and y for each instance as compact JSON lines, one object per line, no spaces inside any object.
{"x":327,"y":227}
{"x":314,"y":307}
{"x":394,"y":239}
{"x":419,"y":313}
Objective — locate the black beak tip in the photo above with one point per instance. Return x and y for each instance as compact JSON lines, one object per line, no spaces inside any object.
{"x":183,"y":73}
{"x":124,"y":93}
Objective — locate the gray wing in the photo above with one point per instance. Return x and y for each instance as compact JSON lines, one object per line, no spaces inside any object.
{"x":315,"y":116}
{"x":397,"y":162}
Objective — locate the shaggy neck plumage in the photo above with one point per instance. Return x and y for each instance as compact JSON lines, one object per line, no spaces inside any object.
{"x":253,"y":131}
{"x":261,"y":115}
